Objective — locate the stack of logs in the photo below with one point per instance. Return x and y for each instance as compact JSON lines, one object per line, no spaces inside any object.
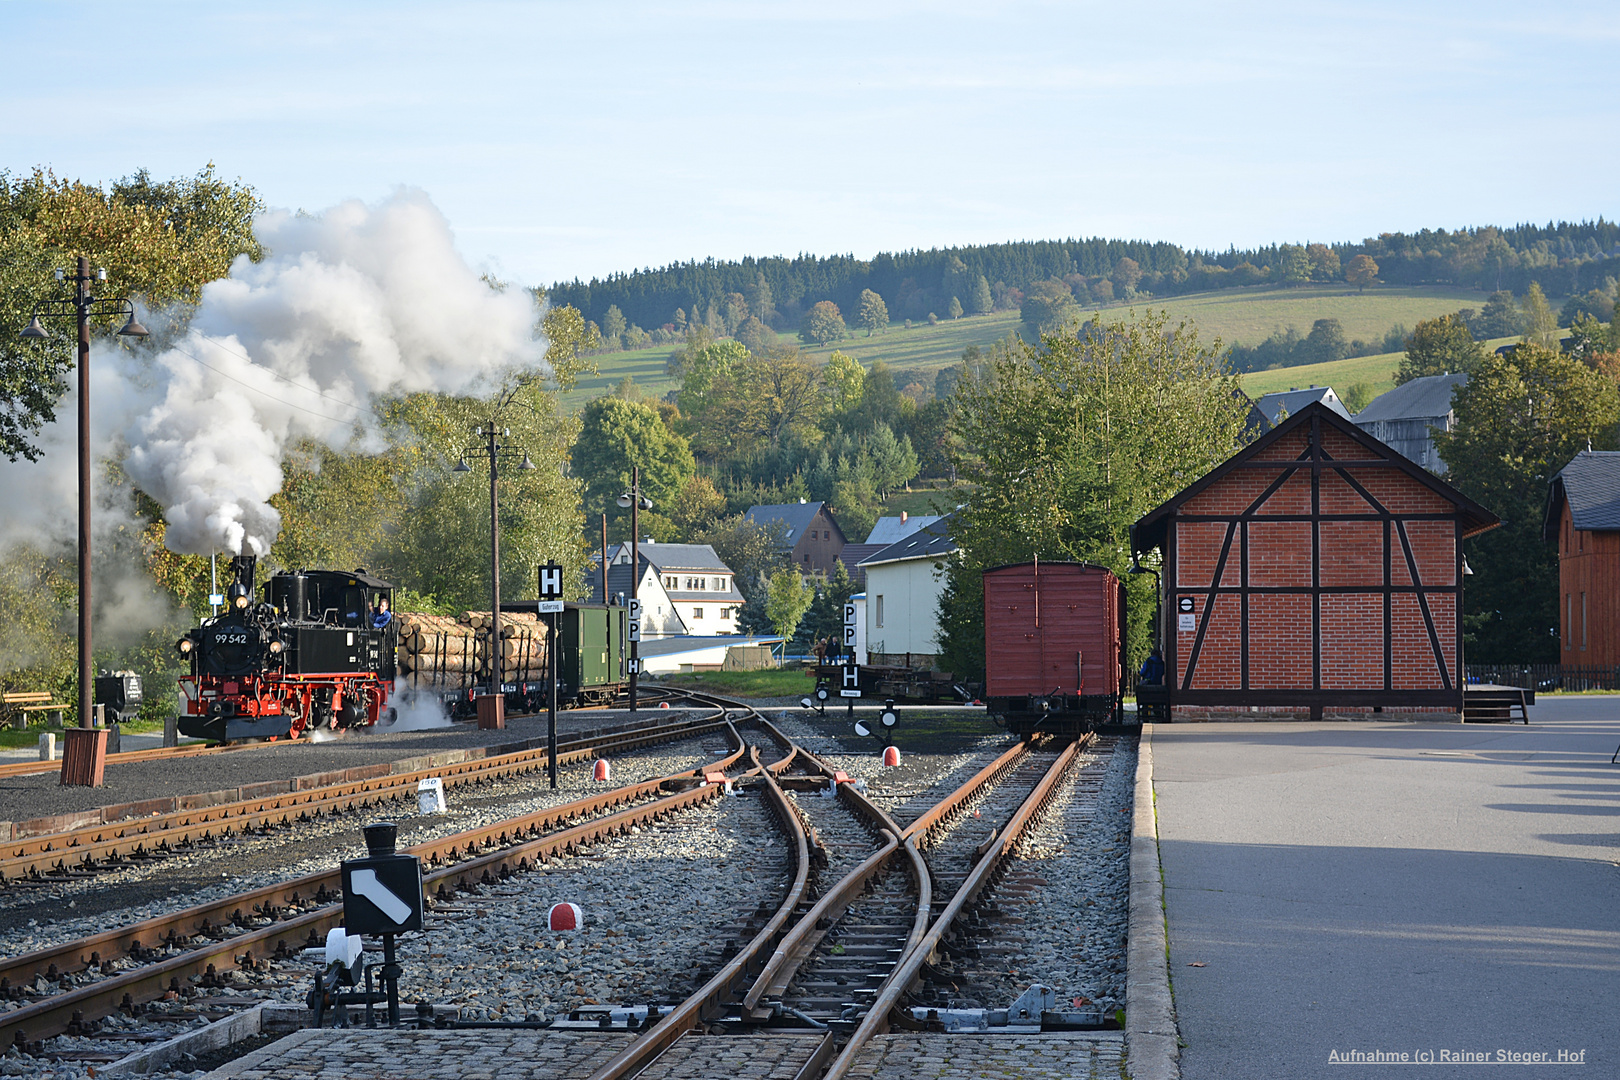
{"x":452,"y":651}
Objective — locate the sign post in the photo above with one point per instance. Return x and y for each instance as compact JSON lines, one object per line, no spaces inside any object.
{"x":551,"y":603}
{"x":849,"y":631}
{"x":382,"y":895}
{"x":851,"y":686}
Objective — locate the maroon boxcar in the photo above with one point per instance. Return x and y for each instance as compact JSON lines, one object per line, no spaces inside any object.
{"x":1054,"y":639}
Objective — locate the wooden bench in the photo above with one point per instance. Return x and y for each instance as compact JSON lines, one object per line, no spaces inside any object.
{"x":20,"y":703}
{"x":1496,"y":704}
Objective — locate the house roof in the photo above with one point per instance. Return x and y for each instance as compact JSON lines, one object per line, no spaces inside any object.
{"x":926,"y":543}
{"x":1149,"y":530}
{"x":619,"y":578}
{"x":796,"y":516}
{"x":889,"y":529}
{"x":682,"y":557}
{"x":852,"y":555}
{"x":1591,"y":486}
{"x":1428,"y":396}
{"x":1272,"y":405}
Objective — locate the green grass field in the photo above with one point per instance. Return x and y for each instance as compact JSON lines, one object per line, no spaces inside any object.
{"x":1340,"y":374}
{"x":1235,"y":316}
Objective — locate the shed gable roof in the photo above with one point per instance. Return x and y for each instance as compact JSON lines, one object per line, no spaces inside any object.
{"x":1149,"y":530}
{"x":926,"y":543}
{"x":1429,"y":396}
{"x":1591,"y":485}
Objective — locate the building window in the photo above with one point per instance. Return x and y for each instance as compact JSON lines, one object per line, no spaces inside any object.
{"x":807,"y":556}
{"x":697,"y":613}
{"x":878,"y":612}
{"x":1569,"y":621}
{"x":725,"y":613}
{"x":1583,"y":622}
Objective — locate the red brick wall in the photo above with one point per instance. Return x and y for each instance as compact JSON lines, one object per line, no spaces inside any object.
{"x":1282,"y":652}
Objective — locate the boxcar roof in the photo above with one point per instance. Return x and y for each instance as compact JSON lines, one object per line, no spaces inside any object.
{"x":1149,"y":530}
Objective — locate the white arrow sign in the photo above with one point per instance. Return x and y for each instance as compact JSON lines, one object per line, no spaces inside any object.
{"x":365,"y":883}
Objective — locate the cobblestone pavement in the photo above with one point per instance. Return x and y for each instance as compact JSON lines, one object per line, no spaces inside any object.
{"x":762,"y":1057}
{"x":477,"y":1054}
{"x":1080,"y":1056}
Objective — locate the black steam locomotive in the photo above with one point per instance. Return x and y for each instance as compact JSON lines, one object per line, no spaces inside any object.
{"x":309,"y":655}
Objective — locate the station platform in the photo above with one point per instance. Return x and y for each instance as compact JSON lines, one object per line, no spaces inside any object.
{"x":1345,"y":893}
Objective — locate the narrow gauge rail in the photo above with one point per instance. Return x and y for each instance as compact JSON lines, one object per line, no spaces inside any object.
{"x":785,"y":942}
{"x":55,"y":857}
{"x":302,"y":910}
{"x":166,"y":753}
{"x":971,"y":962}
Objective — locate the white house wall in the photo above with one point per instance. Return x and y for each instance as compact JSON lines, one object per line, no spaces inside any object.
{"x":902,"y":607}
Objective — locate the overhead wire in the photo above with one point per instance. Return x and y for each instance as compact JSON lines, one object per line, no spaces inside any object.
{"x":265,"y":393}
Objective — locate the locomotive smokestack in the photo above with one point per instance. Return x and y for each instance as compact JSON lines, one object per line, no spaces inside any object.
{"x":242,"y":569}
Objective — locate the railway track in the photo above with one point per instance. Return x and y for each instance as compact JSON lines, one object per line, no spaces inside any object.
{"x":876,"y":918}
{"x":83,"y":852}
{"x":278,"y":921}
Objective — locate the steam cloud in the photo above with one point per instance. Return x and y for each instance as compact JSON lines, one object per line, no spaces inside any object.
{"x":348,"y":304}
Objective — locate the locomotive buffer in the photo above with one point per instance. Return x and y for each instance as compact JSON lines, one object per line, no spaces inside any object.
{"x":382,"y":896}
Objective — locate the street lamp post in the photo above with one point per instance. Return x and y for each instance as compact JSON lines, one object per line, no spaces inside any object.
{"x":81,"y":306}
{"x":634,"y":501}
{"x":493,"y":450}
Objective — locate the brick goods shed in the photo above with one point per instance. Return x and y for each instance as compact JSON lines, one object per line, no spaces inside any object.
{"x":1316,"y":570}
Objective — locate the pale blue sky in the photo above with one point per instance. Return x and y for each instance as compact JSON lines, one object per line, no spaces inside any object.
{"x":581,"y":139}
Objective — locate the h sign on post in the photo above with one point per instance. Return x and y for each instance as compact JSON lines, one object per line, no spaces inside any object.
{"x":551,"y":588}
{"x":852,"y":682}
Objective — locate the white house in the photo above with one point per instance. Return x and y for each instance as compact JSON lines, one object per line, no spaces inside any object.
{"x":903,"y":585}
{"x":699,"y":590}
{"x":659,"y":619}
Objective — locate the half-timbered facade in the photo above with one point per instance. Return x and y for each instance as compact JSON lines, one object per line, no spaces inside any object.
{"x":1317,"y":569}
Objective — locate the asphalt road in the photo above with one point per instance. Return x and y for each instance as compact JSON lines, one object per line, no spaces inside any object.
{"x":1433,"y":890}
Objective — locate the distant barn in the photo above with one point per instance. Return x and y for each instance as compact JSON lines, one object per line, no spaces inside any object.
{"x":1316,"y":570}
{"x":1583,"y":519}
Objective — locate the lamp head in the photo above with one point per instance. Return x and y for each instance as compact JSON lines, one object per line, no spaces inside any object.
{"x":624,"y":500}
{"x":526,"y":463}
{"x":34,"y":330}
{"x":134,"y":329}
{"x":462,"y":466}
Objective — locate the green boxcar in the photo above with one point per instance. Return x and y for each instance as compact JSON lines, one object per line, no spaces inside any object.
{"x":592,"y":641}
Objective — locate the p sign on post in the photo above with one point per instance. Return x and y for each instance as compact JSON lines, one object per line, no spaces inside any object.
{"x":849,"y":629}
{"x":635,"y":620}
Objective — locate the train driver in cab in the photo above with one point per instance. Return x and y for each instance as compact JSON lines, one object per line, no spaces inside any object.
{"x":380,"y":615}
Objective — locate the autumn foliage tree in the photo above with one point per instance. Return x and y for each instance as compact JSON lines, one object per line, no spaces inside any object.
{"x":1361,"y":272}
{"x":823,"y":324}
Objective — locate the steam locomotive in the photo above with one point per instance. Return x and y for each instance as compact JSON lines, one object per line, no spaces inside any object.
{"x":307,"y":656}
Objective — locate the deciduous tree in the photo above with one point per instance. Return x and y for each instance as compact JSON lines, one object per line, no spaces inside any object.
{"x":874,"y":313}
{"x":1519,"y":420}
{"x":614,"y":436}
{"x":788,"y":599}
{"x":1438,"y":346}
{"x":1361,"y":272}
{"x":823,"y":324}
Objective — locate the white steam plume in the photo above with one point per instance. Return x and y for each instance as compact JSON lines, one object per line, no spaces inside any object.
{"x":348,"y":304}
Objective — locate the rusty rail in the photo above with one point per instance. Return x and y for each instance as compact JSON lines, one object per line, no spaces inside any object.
{"x":47,"y":854}
{"x":52,"y":1015}
{"x":906,"y":973}
{"x":722,"y":989}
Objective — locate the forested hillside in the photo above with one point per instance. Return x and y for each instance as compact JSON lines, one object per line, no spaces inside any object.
{"x":1565,"y":258}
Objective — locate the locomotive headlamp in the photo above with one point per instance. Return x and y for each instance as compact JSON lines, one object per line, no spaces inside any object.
{"x":277,"y":646}
{"x":185,"y":645}
{"x":241,"y":602}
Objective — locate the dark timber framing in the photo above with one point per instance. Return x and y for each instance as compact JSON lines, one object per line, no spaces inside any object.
{"x":1158,"y":529}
